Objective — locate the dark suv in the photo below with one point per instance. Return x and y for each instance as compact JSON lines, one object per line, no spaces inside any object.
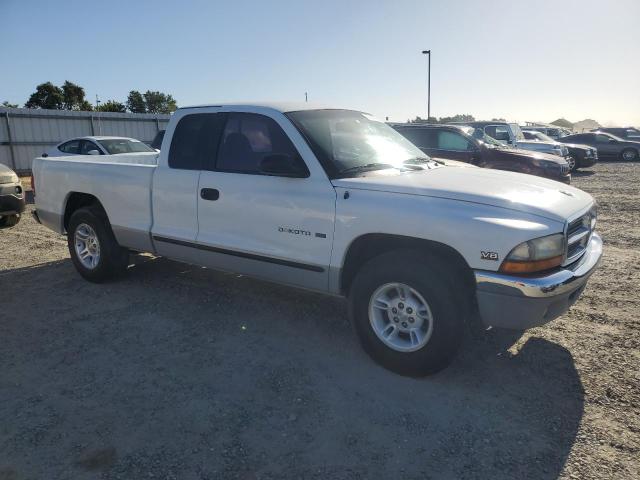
{"x":472,"y":145}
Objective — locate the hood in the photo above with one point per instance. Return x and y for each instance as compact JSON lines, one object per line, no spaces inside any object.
{"x":515,"y":191}
{"x":579,"y":146}
{"x":519,"y":152}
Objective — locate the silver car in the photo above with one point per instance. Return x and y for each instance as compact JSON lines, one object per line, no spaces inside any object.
{"x":540,"y":142}
{"x":98,"y":146}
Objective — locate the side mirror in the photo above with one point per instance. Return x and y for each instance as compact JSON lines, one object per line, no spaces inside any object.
{"x":93,"y":152}
{"x":283,"y":165}
{"x":613,"y":140}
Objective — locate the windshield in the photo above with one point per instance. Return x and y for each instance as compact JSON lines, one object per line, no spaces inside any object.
{"x":517,"y":131}
{"x":124,"y":145}
{"x":542,"y":137}
{"x":478,"y":133}
{"x":351,"y":141}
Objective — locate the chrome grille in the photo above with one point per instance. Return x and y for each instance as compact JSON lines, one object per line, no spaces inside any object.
{"x":578,"y":236}
{"x":564,"y":168}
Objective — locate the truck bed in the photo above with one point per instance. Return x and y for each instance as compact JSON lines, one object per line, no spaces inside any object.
{"x":121,"y":182}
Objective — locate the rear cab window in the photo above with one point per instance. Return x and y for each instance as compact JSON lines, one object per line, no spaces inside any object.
{"x":195,"y":141}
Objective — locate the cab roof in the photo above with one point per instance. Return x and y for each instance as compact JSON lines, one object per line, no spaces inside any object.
{"x":282,"y":107}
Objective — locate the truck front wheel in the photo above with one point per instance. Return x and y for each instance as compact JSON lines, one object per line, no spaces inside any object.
{"x":93,"y":247}
{"x":404,"y":310}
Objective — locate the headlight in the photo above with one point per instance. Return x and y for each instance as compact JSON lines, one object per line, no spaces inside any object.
{"x":9,"y":178}
{"x":535,"y":255}
{"x":544,"y":163}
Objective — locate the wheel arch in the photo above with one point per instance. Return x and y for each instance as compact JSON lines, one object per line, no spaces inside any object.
{"x":77,"y":200}
{"x":368,"y":246}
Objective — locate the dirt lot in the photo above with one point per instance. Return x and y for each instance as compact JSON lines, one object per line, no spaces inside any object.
{"x":181,"y":372}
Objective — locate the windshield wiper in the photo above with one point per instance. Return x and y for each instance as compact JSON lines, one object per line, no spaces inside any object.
{"x":421,"y":160}
{"x":367,"y":167}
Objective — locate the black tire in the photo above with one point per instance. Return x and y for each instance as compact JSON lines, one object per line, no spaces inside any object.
{"x":430,"y":277}
{"x":631,"y":155}
{"x":9,"y":221}
{"x":113,"y":259}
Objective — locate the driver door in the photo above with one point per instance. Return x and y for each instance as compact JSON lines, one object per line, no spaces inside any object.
{"x":274,"y":227}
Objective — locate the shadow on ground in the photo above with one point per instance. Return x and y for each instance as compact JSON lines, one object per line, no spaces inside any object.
{"x":181,"y":372}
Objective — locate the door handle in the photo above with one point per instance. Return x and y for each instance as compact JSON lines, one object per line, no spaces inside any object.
{"x":209,"y":194}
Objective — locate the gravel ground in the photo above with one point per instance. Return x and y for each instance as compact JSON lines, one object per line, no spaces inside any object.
{"x":178,"y":372}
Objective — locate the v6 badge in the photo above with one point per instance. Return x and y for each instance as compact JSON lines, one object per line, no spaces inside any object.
{"x":489,"y":256}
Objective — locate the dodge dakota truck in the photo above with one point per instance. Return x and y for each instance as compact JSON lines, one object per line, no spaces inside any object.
{"x":337,"y":202}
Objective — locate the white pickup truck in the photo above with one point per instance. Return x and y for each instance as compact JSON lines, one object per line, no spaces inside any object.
{"x":333,"y":201}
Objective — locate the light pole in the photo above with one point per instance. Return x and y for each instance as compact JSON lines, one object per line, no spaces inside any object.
{"x":428,"y":52}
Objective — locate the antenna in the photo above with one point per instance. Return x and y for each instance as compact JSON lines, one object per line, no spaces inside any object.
{"x":306,"y":97}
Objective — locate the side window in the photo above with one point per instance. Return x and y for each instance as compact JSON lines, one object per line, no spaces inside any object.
{"x":247,"y":139}
{"x":499,"y":132}
{"x":602,"y":139}
{"x":86,"y":146}
{"x":195,"y":140}
{"x":72,"y":147}
{"x":420,"y":137}
{"x":452,"y":141}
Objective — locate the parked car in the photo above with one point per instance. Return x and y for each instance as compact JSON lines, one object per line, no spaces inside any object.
{"x":551,"y":132}
{"x":581,"y":156}
{"x":334,"y":201}
{"x":627,"y":133}
{"x":472,"y":145}
{"x":511,"y":134}
{"x":99,"y":146}
{"x":609,"y":146}
{"x":157,"y":140}
{"x":11,"y":197}
{"x":505,"y":132}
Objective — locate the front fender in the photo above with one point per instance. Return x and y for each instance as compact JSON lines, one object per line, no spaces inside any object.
{"x":482,"y":234}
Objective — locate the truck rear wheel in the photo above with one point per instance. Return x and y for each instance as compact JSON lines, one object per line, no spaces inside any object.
{"x":93,"y":247}
{"x":404,"y":310}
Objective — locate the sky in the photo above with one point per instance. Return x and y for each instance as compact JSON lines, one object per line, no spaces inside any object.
{"x":523,"y":61}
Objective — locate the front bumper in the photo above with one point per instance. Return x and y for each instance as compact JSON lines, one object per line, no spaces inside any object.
{"x":509,"y":301}
{"x":585,"y":162}
{"x":11,"y":199}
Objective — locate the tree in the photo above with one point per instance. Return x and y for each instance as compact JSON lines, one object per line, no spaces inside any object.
{"x":498,"y":120}
{"x":419,"y":119}
{"x":112,"y":106}
{"x":47,"y":95}
{"x":562,"y":122}
{"x":9,"y":105}
{"x":158,"y":102}
{"x":135,"y":102}
{"x":73,"y":97}
{"x":458,"y":118}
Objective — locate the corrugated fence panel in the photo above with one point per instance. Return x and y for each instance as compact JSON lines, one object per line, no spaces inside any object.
{"x":32,"y":132}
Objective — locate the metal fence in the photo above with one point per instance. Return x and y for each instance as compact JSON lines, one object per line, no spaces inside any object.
{"x":27,"y":133}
